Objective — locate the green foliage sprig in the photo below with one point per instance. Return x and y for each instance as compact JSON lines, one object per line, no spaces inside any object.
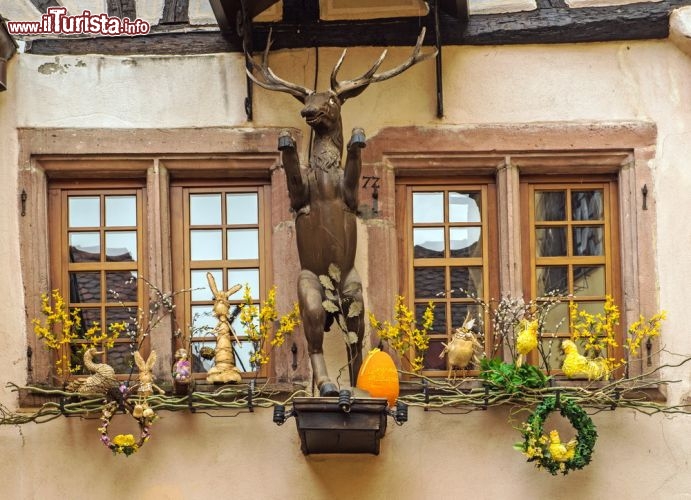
{"x":509,"y":377}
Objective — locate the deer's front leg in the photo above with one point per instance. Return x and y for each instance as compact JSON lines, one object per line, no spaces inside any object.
{"x":297,"y":188}
{"x":353,"y":167}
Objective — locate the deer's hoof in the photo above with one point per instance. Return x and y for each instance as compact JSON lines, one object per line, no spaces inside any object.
{"x":328,"y":389}
{"x":285,"y":141}
{"x":357,"y":138}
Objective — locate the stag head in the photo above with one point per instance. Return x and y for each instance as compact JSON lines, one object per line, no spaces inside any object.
{"x":322,"y":110}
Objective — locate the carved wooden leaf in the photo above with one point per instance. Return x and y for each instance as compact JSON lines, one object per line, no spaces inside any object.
{"x":342,"y":324}
{"x":335,"y":273}
{"x":355,"y":309}
{"x":330,"y":295}
{"x":352,"y":338}
{"x":330,"y":306}
{"x":326,"y":282}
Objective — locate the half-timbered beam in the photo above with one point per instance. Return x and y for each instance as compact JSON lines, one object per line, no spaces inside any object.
{"x":175,"y":11}
{"x":122,"y":8}
{"x":42,"y":5}
{"x":548,"y":25}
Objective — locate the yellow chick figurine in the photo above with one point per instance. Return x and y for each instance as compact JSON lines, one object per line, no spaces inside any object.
{"x":561,"y":452}
{"x":526,"y":339}
{"x":577,"y":365}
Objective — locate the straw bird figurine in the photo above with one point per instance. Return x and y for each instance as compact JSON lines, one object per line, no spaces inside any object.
{"x":224,"y":370}
{"x":526,"y":339}
{"x":577,"y":365}
{"x":102,"y":379}
{"x":461,"y":350}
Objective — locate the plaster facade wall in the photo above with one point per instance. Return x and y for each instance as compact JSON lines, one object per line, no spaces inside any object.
{"x":433,"y":455}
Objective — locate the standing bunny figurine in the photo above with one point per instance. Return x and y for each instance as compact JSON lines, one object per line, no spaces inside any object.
{"x":224,"y":370}
{"x":145,"y":385}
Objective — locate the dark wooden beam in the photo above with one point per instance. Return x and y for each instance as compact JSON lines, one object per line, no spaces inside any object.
{"x":550,"y":4}
{"x":300,"y":11}
{"x":639,"y":21}
{"x":122,"y":9}
{"x":176,"y":11}
{"x":42,"y":5}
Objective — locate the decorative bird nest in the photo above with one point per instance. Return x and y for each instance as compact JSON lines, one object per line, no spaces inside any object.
{"x":122,"y":443}
{"x":546,"y":450}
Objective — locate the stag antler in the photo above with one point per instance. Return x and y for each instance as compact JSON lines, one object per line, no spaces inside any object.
{"x":270,"y":80}
{"x":351,"y":88}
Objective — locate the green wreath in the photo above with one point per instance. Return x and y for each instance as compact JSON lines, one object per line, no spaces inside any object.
{"x":546,"y":450}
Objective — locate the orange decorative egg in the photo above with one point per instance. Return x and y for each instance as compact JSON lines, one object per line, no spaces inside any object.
{"x":379,"y":377}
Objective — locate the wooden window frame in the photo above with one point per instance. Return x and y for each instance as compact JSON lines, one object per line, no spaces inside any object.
{"x":179,"y":196}
{"x":58,"y":194}
{"x":153,"y":158}
{"x":405,"y":187}
{"x":624,"y":150}
{"x":610,"y":222}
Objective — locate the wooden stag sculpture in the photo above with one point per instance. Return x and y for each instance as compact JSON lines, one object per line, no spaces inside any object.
{"x":324,"y":198}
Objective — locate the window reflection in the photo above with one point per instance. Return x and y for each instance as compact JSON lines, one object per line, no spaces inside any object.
{"x":85,"y":247}
{"x":121,"y":246}
{"x":464,"y":207}
{"x":550,"y":205}
{"x":465,"y":242}
{"x":428,"y":207}
{"x":588,"y":240}
{"x":550,"y":241}
{"x":242,"y":208}
{"x":428,"y":242}
{"x":121,"y":211}
{"x":205,"y":209}
{"x":587,"y":205}
{"x":243,"y":244}
{"x":206,"y":245}
{"x":84,"y":211}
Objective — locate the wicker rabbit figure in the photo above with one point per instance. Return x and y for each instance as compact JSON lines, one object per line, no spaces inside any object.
{"x":224,"y":370}
{"x":145,"y":384}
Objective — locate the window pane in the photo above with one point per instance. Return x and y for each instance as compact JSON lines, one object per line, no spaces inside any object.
{"x":587,"y":205}
{"x":592,"y":307}
{"x":428,"y":242}
{"x":121,"y":315}
{"x":84,"y":211}
{"x":459,"y":313}
{"x":589,"y":281}
{"x":588,"y":240}
{"x":242,"y":208}
{"x":205,"y":209}
{"x":464,"y":207}
{"x":429,"y":281}
{"x":121,"y":211}
{"x":439,"y":325}
{"x":88,"y":317}
{"x":552,"y":349}
{"x":203,"y":321}
{"x":432,"y":360}
{"x":199,"y":364}
{"x":466,"y":280}
{"x":200,"y":284}
{"x":465,"y":241}
{"x":206,"y":245}
{"x":121,"y":286}
{"x":85,"y":247}
{"x":121,"y":246}
{"x":120,"y":358}
{"x":428,"y":207}
{"x":243,"y":351}
{"x":550,"y":205}
{"x":243,"y":244}
{"x":244,"y":277}
{"x":557,"y":319}
{"x":85,"y":287}
{"x":550,"y":241}
{"x":552,"y":279}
